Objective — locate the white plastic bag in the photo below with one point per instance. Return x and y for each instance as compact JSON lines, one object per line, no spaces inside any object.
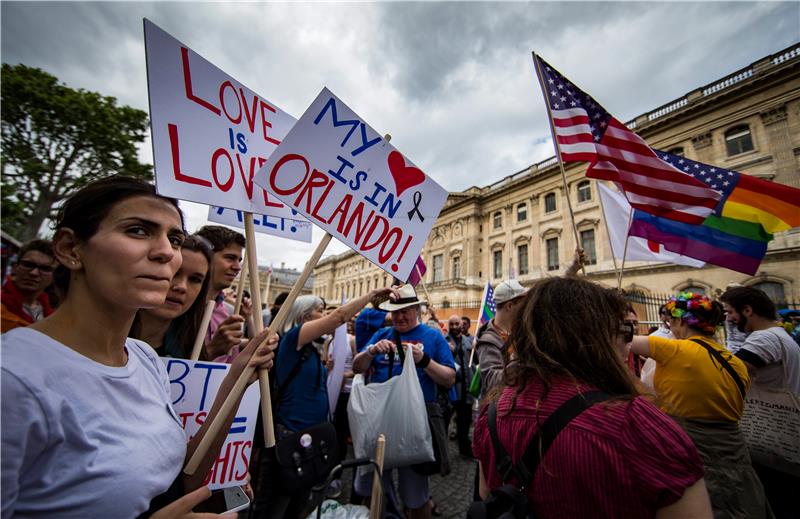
{"x":648,"y":372}
{"x":333,"y":510}
{"x":396,"y":409}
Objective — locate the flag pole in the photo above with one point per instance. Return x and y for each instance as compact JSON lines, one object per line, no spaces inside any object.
{"x":625,"y":249}
{"x":480,"y":313}
{"x":608,"y":233}
{"x":558,"y":153}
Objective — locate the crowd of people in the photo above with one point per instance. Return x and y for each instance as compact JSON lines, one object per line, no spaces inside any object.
{"x":88,"y":428}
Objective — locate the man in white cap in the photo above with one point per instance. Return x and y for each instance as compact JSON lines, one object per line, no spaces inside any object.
{"x":492,"y":338}
{"x":435,"y":367}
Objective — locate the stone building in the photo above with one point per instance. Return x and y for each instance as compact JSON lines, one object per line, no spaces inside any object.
{"x":281,"y":280}
{"x":748,"y":121}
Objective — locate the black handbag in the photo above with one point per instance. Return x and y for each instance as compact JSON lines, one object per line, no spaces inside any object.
{"x":305,"y":458}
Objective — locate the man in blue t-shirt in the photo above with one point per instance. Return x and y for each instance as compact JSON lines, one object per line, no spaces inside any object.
{"x":369,"y":321}
{"x":435,"y":366}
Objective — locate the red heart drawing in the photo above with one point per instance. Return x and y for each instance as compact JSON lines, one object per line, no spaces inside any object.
{"x":404,"y":176}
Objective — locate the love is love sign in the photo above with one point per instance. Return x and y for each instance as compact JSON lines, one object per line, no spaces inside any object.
{"x":273,"y":225}
{"x":344,"y":177}
{"x":210,"y":133}
{"x":193,"y":387}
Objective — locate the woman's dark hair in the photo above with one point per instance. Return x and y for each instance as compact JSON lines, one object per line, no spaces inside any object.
{"x":182,"y":331}
{"x":569,"y":327}
{"x":87,"y":208}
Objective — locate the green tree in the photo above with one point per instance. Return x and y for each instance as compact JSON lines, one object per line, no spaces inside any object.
{"x":56,"y":139}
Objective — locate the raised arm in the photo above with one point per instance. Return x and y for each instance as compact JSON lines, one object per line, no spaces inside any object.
{"x":327,"y":324}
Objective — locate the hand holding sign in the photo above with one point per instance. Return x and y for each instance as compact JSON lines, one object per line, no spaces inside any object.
{"x":338,"y":172}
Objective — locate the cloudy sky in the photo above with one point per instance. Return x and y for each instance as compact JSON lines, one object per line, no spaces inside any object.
{"x":452,"y":82}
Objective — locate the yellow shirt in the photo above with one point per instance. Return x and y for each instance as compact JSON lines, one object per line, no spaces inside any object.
{"x":691,"y":384}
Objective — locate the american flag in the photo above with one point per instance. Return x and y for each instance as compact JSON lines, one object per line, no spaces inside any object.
{"x":718,"y":179}
{"x":586,"y":132}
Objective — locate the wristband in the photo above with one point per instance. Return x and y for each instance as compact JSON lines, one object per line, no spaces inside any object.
{"x":369,"y":350}
{"x":424,"y":361}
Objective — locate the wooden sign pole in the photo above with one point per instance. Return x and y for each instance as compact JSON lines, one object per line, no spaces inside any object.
{"x":377,"y":480}
{"x":201,"y":332}
{"x":240,"y":288}
{"x":258,"y":326}
{"x":241,"y":383}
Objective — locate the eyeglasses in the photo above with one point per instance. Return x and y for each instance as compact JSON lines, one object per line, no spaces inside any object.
{"x":628,"y":330}
{"x":30,"y":266}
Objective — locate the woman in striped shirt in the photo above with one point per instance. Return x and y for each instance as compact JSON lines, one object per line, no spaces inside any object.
{"x":621,"y":458}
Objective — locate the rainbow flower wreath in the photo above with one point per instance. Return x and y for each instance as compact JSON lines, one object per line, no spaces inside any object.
{"x":685,"y":307}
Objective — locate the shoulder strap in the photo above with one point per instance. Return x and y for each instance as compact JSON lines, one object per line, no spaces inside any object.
{"x":725,"y":364}
{"x":502,"y":461}
{"x":400,"y":352}
{"x":525,"y":468}
{"x":298,"y":365}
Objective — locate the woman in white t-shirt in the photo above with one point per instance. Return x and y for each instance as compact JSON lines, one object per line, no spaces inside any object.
{"x":88,"y":428}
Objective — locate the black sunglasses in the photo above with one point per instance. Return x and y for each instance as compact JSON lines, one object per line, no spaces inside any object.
{"x":30,"y":266}
{"x":628,"y":329}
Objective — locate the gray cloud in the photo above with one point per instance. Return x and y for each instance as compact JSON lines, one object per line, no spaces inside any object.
{"x":452,"y":82}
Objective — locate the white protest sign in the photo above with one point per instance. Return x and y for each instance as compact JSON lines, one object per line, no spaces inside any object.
{"x":338,"y":352}
{"x":210,"y":133}
{"x":194,"y":387}
{"x":265,"y":224}
{"x":344,"y":177}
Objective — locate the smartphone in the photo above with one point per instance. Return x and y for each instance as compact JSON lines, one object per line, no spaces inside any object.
{"x":231,"y":499}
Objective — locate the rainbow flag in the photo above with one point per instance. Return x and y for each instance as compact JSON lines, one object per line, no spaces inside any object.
{"x":775,"y":206}
{"x":736,"y":234}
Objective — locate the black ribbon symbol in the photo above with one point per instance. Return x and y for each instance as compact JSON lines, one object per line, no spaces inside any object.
{"x":415,"y":209}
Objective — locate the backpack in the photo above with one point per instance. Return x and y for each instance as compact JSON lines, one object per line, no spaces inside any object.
{"x":509,"y":501}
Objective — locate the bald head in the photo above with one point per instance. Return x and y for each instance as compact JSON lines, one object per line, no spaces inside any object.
{"x":454,"y":326}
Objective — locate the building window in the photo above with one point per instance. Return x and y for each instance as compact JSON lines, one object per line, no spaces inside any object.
{"x":522,"y":259}
{"x":587,"y":244}
{"x":738,"y":140}
{"x":456,"y":267}
{"x":677,"y":151}
{"x":584,"y":191}
{"x":360,"y":288}
{"x":549,"y":202}
{"x":385,"y":281}
{"x":497,"y":220}
{"x":368,"y":280}
{"x":773,"y":290}
{"x":551,"y":246}
{"x":438,"y":268}
{"x":522,"y":212}
{"x":498,"y":264}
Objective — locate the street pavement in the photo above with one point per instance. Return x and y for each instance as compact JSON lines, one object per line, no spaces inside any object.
{"x":452,"y":493}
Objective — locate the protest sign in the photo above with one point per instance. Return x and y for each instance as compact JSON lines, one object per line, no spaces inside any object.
{"x":210,"y":133}
{"x":337,"y":171}
{"x":194,"y":387}
{"x":338,"y":351}
{"x":274,"y":225}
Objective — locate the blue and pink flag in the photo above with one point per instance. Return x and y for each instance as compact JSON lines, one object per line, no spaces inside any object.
{"x":417,"y":272}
